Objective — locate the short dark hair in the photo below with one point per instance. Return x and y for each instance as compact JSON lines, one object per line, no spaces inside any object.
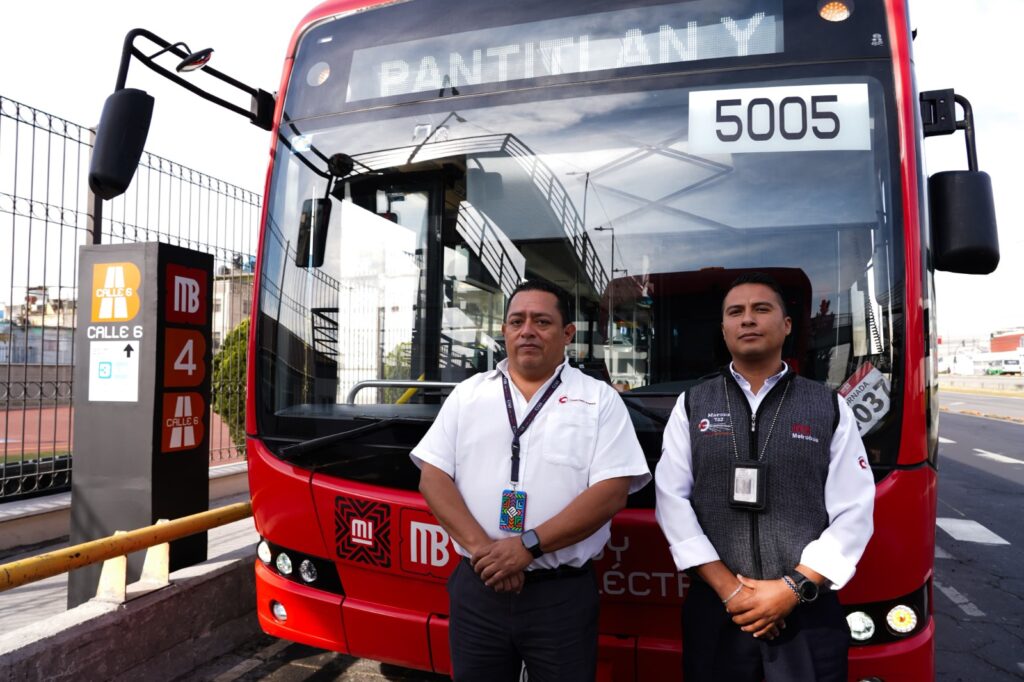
{"x":544,"y":285}
{"x":757,"y":278}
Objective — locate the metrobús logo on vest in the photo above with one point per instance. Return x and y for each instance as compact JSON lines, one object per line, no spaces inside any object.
{"x":803,"y":432}
{"x":115,"y":292}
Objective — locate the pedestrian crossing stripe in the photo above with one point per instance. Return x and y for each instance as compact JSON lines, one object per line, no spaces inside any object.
{"x":966,"y":530}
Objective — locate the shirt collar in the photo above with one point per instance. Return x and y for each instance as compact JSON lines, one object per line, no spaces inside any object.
{"x":768,"y":383}
{"x":502,"y":368}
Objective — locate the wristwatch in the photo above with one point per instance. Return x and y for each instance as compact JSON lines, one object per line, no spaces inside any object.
{"x":532,"y":543}
{"x":806,"y":588}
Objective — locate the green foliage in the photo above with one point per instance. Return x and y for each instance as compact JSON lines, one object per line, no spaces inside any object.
{"x":227,"y":388}
{"x":397,"y":365}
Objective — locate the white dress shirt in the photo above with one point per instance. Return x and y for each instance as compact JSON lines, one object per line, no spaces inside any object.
{"x":849,"y":494}
{"x":582,"y":435}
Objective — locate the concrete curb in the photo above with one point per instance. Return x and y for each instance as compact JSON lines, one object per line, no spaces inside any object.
{"x":208,"y":610}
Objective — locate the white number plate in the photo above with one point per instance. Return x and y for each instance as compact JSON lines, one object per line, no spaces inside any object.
{"x":797,"y":118}
{"x":867,"y":394}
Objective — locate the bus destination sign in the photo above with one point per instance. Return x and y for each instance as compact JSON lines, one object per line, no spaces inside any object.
{"x":609,"y":40}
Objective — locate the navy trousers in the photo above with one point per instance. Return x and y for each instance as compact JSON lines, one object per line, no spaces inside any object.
{"x":551,"y":626}
{"x":813,"y":647}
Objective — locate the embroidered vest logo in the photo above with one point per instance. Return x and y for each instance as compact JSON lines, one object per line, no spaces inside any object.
{"x":716,"y":424}
{"x":803,"y":432}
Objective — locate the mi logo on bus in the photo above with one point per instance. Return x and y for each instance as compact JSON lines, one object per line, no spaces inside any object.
{"x":115,"y":292}
{"x":362,"y":532}
{"x":182,"y":423}
{"x":185,"y":290}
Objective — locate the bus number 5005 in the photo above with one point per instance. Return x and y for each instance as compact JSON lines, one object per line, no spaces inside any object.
{"x":791,"y":117}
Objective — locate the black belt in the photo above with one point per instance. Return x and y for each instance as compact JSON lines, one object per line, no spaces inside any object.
{"x":542,"y":574}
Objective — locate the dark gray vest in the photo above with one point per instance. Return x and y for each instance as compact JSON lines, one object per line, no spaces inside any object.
{"x":766,"y":544}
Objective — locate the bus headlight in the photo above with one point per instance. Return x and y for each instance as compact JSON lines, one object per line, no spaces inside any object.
{"x":280,"y":613}
{"x":307,"y":570}
{"x":861,"y":626}
{"x":263,"y":552}
{"x":901,"y":619}
{"x":284,"y":564}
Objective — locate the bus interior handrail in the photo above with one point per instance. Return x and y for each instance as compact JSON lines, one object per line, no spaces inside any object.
{"x":350,"y":399}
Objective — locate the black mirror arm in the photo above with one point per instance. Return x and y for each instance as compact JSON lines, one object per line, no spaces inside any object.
{"x":967,"y":125}
{"x":261,"y":111}
{"x":938,"y":117}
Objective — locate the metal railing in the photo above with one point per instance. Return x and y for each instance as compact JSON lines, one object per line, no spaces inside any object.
{"x":48,"y":212}
{"x":118,"y":546}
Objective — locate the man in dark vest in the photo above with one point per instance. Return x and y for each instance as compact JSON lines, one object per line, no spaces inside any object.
{"x":766,"y":497}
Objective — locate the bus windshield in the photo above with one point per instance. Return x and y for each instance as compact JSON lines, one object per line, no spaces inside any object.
{"x":396,"y":233}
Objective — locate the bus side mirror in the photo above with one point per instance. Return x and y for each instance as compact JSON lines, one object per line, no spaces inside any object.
{"x":963,"y":218}
{"x":963,"y":214}
{"x":311,"y":245}
{"x":120,"y":139}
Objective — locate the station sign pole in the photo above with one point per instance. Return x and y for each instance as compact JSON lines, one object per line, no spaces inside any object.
{"x":142,"y":397}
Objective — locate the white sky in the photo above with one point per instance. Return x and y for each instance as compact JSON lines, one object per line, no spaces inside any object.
{"x":62,"y":57}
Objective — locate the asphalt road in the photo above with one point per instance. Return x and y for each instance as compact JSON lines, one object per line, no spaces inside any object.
{"x":979,"y":566}
{"x":979,"y":404}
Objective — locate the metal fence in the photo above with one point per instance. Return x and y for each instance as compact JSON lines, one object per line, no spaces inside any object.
{"x":46,"y":213}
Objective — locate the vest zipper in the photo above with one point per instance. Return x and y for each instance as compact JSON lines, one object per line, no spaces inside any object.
{"x":755,"y":534}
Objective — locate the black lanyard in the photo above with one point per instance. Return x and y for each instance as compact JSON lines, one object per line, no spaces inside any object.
{"x":517,"y":430}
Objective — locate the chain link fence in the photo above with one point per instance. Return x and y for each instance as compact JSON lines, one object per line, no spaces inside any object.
{"x":46,"y":213}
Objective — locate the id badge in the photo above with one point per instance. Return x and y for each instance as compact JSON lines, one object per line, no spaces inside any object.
{"x":513,"y":511}
{"x":748,"y":486}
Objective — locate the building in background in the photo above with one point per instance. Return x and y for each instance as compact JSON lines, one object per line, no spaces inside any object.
{"x":37,"y":331}
{"x":232,"y":299}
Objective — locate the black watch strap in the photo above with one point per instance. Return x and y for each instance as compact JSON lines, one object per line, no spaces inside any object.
{"x":806,"y":588}
{"x":532,"y":543}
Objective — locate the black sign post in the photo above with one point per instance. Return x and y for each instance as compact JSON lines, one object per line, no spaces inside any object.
{"x":142,"y":397}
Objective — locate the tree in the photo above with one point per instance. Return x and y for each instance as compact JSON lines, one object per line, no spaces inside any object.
{"x":227,"y":390}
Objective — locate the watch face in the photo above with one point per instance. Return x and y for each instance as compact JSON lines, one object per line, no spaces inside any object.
{"x":808,"y":590}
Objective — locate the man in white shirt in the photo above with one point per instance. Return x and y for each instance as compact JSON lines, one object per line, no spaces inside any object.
{"x":765,"y":496}
{"x":524,"y":467}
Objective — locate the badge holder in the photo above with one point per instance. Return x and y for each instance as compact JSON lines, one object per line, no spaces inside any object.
{"x":513,"y":511}
{"x":748,"y":486}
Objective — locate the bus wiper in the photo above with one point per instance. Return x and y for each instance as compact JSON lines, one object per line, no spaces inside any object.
{"x":305,"y":447}
{"x":640,"y":409}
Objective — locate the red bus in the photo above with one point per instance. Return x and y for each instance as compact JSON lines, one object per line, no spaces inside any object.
{"x":428,"y":155}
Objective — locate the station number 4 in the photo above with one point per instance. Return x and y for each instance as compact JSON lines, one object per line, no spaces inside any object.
{"x":185,"y":362}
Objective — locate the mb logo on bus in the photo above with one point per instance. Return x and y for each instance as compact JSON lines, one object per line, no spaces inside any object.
{"x":428,"y":544}
{"x":426,"y":548}
{"x":115,"y":292}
